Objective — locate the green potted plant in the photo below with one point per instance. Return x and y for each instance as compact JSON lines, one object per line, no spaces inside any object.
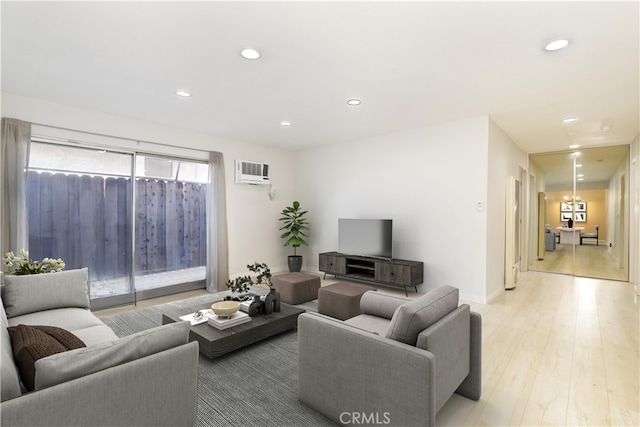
{"x":241,"y":284}
{"x":295,"y":226}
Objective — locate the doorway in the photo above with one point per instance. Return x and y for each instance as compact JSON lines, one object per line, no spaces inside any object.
{"x":585,"y":216}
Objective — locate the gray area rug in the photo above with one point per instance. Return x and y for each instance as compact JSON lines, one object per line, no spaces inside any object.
{"x":254,"y":386}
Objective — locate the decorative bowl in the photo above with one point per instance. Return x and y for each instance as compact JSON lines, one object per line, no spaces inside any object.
{"x":225,"y":308}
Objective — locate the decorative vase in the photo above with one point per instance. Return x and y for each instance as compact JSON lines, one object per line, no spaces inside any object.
{"x":295,"y":263}
{"x":272,"y":302}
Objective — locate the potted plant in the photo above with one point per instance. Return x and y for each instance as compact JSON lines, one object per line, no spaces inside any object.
{"x":271,"y":301}
{"x":295,"y":225}
{"x":22,"y":265}
{"x":241,"y":284}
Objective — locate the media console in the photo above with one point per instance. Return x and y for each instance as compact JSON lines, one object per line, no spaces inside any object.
{"x":388,"y":272}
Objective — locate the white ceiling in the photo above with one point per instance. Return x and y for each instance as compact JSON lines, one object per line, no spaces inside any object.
{"x":596,"y":165}
{"x":413,"y":64}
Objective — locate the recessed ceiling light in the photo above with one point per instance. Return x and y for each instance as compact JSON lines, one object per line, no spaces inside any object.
{"x":354,"y":101}
{"x":570,"y":119}
{"x":250,"y":53}
{"x":574,"y":146}
{"x":285,"y":123}
{"x":183,"y":93}
{"x":556,"y":44}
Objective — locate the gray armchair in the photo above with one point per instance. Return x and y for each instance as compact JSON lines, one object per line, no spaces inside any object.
{"x":397,"y":363}
{"x":549,"y":239}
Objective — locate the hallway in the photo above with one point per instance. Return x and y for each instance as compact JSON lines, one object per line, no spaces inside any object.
{"x":591,"y":261}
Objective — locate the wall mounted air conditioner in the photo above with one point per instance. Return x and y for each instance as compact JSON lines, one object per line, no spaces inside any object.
{"x":251,"y":172}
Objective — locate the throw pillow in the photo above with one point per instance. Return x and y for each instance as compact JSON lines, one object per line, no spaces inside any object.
{"x":31,"y":343}
{"x":10,"y":383}
{"x":67,"y":366}
{"x":413,"y":317}
{"x":38,"y":292}
{"x":380,"y":305}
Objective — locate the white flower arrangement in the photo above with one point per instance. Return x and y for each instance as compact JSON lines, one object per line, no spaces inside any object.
{"x":23,"y":265}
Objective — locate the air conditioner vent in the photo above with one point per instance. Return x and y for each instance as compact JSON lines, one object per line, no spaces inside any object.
{"x":248,"y":172}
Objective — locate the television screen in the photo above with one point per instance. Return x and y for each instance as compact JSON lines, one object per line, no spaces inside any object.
{"x":365,"y":237}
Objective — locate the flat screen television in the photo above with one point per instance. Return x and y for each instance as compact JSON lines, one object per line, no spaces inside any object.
{"x":365,"y":237}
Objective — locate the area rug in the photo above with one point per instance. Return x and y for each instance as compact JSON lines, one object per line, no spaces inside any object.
{"x":253,"y":386}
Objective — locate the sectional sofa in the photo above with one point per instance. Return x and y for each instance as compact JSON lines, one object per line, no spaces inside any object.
{"x":62,"y":366}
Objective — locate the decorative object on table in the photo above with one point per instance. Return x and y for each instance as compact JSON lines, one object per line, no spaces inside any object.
{"x":225,"y":309}
{"x":253,"y":307}
{"x":200,"y":316}
{"x":295,"y":225}
{"x":237,"y":318}
{"x":252,"y":304}
{"x":242,"y":284}
{"x":22,"y":265}
{"x":272,"y":302}
{"x":265,"y":304}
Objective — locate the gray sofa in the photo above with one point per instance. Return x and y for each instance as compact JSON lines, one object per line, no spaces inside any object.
{"x":145,"y":379}
{"x":549,"y":239}
{"x":395,"y":364}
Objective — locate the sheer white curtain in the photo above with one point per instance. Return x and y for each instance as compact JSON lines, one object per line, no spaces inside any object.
{"x":15,"y":142}
{"x":217,"y":242}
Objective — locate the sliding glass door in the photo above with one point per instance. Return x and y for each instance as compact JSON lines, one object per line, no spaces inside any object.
{"x":585,"y":215}
{"x":138,"y":222}
{"x":170,"y":225}
{"x":80,"y":209}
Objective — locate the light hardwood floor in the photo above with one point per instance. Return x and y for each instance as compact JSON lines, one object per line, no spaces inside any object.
{"x":590,"y":261}
{"x":557,"y":350}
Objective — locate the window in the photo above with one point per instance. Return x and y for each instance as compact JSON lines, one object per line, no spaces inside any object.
{"x":170,"y":226}
{"x":138,"y":222}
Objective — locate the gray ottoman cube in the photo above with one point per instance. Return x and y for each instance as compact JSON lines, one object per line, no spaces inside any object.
{"x":341,"y":300}
{"x":296,"y":288}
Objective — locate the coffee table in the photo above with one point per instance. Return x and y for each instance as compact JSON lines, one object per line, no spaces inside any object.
{"x":215,"y":343}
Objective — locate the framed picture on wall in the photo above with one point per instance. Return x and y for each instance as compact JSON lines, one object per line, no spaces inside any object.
{"x":565,"y":216}
{"x":581,"y":217}
{"x":565,"y":207}
{"x":581,"y":207}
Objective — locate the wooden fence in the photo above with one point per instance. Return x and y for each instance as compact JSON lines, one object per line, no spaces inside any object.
{"x":86,"y":221}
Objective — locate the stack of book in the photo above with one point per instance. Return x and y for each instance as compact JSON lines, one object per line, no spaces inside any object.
{"x":237,"y":318}
{"x":244,"y":305}
{"x":196,"y":319}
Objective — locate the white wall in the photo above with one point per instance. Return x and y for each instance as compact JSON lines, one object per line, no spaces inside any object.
{"x":427,"y":180}
{"x":617,"y":220}
{"x":536,"y":185}
{"x":505,"y":159}
{"x":634,"y":215}
{"x":252,"y":217}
